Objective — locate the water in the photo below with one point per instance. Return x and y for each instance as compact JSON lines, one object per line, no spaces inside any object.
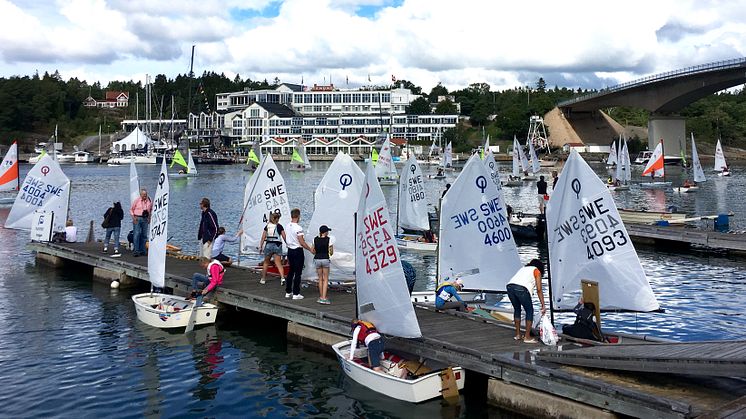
{"x":73,"y":346}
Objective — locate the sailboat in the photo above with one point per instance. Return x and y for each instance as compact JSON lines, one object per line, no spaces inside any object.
{"x":299,"y":161}
{"x":587,"y":239}
{"x":655,"y":169}
{"x":515,"y":177}
{"x":535,"y":165}
{"x":255,"y":157}
{"x":178,"y":158}
{"x":382,"y":298}
{"x":134,"y":184}
{"x":10,"y":174}
{"x":265,"y":193}
{"x":446,"y":161}
{"x":335,"y":202}
{"x":163,"y":310}
{"x":611,"y":161}
{"x":523,"y":160}
{"x":720,"y":166}
{"x":699,"y":174}
{"x":412,"y":211}
{"x":385,"y":169}
{"x":45,"y":188}
{"x":623,"y":172}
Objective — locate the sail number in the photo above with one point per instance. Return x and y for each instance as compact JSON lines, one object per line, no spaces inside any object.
{"x":34,"y":191}
{"x":376,"y":244}
{"x":415,"y":189}
{"x":600,"y":237}
{"x":489,"y":220}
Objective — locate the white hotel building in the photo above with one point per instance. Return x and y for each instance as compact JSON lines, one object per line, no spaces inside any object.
{"x":326,"y":119}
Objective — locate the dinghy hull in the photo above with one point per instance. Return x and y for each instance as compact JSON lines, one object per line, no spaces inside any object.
{"x":417,"y":390}
{"x":410,"y":242}
{"x":170,"y":311}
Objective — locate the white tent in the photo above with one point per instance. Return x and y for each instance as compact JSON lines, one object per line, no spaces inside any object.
{"x":136,"y":139}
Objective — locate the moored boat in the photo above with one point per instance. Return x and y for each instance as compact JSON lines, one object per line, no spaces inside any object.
{"x":648,"y":217}
{"x":169,"y":311}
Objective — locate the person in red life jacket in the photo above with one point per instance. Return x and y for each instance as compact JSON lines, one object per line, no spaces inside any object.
{"x":365,"y":334}
{"x":204,"y":284}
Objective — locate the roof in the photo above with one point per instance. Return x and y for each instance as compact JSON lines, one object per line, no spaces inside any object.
{"x":114,"y":95}
{"x":277,"y":109}
{"x":398,"y":141}
{"x":293,"y":87}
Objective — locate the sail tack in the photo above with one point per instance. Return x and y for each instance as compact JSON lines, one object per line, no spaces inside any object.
{"x":158,"y":234}
{"x":588,"y":240}
{"x":475,"y":235}
{"x":45,"y":188}
{"x":382,"y":294}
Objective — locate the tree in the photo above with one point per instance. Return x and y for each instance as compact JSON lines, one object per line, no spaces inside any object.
{"x":446,"y":107}
{"x":481,"y":112}
{"x":438,"y":90}
{"x":541,"y":85}
{"x":419,"y":106}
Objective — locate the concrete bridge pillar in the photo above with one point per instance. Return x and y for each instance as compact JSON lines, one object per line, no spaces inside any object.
{"x":672,"y":129}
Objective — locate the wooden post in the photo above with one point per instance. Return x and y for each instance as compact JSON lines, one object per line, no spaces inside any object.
{"x":448,"y":386}
{"x":91,"y":237}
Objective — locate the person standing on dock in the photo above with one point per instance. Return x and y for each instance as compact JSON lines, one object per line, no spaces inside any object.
{"x":204,"y":284}
{"x":208,"y":228}
{"x":521,"y":288}
{"x":113,"y":225}
{"x":541,"y":189}
{"x":296,"y":243}
{"x":140,"y":212}
{"x":271,"y":245}
{"x":555,"y":178}
{"x":323,"y":250}
{"x":219,"y":245}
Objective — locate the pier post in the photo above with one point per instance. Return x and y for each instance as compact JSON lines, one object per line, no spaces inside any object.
{"x":51,"y":260}
{"x":310,"y":336}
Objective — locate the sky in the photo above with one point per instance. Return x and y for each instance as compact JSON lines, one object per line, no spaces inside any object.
{"x":507,"y":44}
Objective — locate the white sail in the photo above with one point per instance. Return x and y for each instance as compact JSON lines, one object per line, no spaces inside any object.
{"x":612,"y":159}
{"x":265,"y":193}
{"x":9,"y":174}
{"x":306,"y":161}
{"x":385,"y":165}
{"x":134,"y":183}
{"x":432,"y":148}
{"x":719,"y":158}
{"x":588,"y":240}
{"x":486,"y":148}
{"x":336,"y":200}
{"x":447,"y":160}
{"x":412,"y":208}
{"x":45,"y":188}
{"x":521,"y":155}
{"x":474,"y":232}
{"x":618,"y":161}
{"x":655,"y":166}
{"x":158,"y":235}
{"x":626,"y":163}
{"x":491,"y":165}
{"x":699,"y":174}
{"x":191,"y":168}
{"x":382,"y":294}
{"x":516,"y":158}
{"x":535,"y":165}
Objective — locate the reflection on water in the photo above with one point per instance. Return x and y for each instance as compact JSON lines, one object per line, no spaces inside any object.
{"x":72,"y":346}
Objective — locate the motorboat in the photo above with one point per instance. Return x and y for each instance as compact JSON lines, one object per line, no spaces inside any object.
{"x":83,"y":157}
{"x":648,"y":217}
{"x":137,"y":158}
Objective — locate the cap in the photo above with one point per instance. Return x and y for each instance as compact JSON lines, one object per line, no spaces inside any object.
{"x":324,"y":229}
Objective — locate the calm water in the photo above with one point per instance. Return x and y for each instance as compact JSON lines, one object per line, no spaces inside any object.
{"x":72,"y":346}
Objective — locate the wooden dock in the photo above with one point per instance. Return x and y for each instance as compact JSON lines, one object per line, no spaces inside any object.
{"x":680,"y":236}
{"x":479,"y":345}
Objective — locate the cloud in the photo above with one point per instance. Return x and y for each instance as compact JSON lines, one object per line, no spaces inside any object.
{"x":576,"y":44}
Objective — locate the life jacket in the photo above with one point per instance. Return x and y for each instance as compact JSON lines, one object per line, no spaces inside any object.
{"x":218,"y":280}
{"x":366,"y":328}
{"x":442,"y":293}
{"x":272,"y":235}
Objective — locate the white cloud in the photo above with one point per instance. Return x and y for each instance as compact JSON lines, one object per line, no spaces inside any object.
{"x":506,"y":44}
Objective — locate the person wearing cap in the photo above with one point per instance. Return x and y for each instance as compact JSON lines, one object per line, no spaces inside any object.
{"x":521,"y":288}
{"x":446,"y":295}
{"x":323,"y":250}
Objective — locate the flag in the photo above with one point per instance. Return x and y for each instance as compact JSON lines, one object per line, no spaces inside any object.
{"x":178,"y":159}
{"x":301,"y":80}
{"x":393,"y":78}
{"x":348,"y":80}
{"x":368,"y":77}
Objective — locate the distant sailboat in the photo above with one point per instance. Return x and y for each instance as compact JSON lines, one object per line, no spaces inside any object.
{"x":254,"y":158}
{"x":299,"y":160}
{"x":612,"y":159}
{"x":446,"y":160}
{"x":655,"y":169}
{"x":514,"y":179}
{"x":698,"y":173}
{"x":720,"y":166}
{"x":178,"y":158}
{"x":412,"y":211}
{"x":9,"y":175}
{"x":535,"y":164}
{"x":385,"y":169}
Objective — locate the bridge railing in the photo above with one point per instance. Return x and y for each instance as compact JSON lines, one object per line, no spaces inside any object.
{"x":702,"y":68}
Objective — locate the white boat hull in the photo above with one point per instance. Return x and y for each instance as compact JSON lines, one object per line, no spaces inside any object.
{"x":655,"y":185}
{"x":169,"y":311}
{"x":7,"y":200}
{"x":437,"y":176}
{"x":417,"y":390}
{"x":619,"y":188}
{"x":512,"y":183}
{"x":529,"y":178}
{"x":138,"y":159}
{"x":297,"y":169}
{"x":178,"y":175}
{"x":686,"y":190}
{"x":649,"y":217}
{"x":388,"y":182}
{"x":411,"y":243}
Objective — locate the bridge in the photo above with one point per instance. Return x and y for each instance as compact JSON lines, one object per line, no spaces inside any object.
{"x":663,"y":95}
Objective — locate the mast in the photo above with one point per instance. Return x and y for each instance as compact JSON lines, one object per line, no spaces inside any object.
{"x":663,"y":157}
{"x":189,"y":100}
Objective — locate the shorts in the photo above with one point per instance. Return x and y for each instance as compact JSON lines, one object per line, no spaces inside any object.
{"x":271,"y":248}
{"x":321,"y":263}
{"x":222,"y":258}
{"x":375,"y":349}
